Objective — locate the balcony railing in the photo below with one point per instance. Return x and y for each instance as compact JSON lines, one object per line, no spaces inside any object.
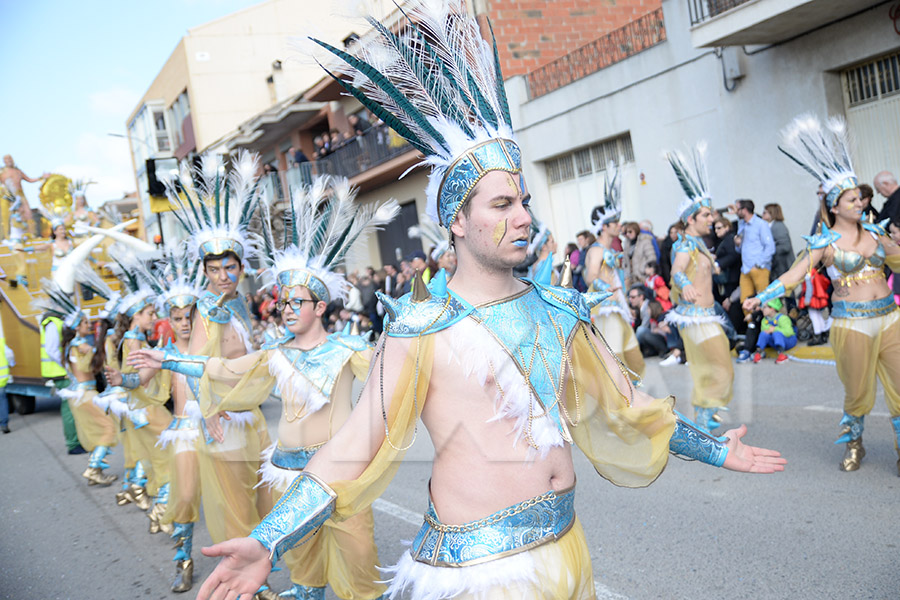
{"x":703,"y":10}
{"x":613,"y":47}
{"x":357,"y":155}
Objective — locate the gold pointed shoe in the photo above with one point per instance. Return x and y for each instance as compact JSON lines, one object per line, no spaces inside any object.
{"x":184,"y":575}
{"x":86,"y":473}
{"x":166,"y":528}
{"x":266,"y":595}
{"x":143,"y":501}
{"x":853,"y":455}
{"x":95,"y":476}
{"x":124,"y":497}
{"x":154,"y":522}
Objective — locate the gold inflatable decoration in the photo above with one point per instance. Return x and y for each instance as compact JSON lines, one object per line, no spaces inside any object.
{"x":56,"y":198}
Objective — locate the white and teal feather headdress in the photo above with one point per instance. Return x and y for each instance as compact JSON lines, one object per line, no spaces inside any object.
{"x":321,"y":224}
{"x":611,"y":210}
{"x":59,"y":304}
{"x":180,"y":280}
{"x":140,"y":286}
{"x":437,"y":83}
{"x":90,"y":279}
{"x":691,"y":172}
{"x":216,"y":212}
{"x":824,"y":153}
{"x":431,"y":233}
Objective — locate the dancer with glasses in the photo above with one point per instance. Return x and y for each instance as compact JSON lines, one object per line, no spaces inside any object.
{"x":313,"y":372}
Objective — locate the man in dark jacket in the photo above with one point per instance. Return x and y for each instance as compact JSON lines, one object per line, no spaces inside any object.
{"x":886,"y":185}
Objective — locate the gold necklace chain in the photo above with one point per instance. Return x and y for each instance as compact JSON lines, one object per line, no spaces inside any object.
{"x":487,"y":521}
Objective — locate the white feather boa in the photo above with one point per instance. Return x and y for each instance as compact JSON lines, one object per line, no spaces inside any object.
{"x":274,"y":477}
{"x":75,"y":397}
{"x":244,"y":418}
{"x":288,"y":377}
{"x":179,"y":436}
{"x":477,"y":351}
{"x":242,"y":333}
{"x":185,"y":436}
{"x":425,"y":582}
{"x":115,"y":403}
{"x":605,"y":311}
{"x":673,"y":318}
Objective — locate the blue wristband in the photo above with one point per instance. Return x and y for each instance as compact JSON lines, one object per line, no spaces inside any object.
{"x":690,"y":441}
{"x":774,"y":290}
{"x":131,"y":381}
{"x":303,"y":508}
{"x":681,"y":280}
{"x":190,"y":366}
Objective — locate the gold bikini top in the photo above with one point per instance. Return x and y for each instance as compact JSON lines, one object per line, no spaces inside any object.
{"x":854,"y":267}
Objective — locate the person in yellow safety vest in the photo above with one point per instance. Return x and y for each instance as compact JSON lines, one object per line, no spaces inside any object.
{"x":7,"y":360}
{"x":55,"y":374}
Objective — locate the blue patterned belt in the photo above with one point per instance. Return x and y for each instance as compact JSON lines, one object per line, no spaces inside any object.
{"x":692,"y":310}
{"x":293,"y":459}
{"x":83,"y":385}
{"x":842,"y":309}
{"x":518,"y":528}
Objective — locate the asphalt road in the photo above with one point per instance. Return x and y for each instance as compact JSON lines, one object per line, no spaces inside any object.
{"x":812,"y":532}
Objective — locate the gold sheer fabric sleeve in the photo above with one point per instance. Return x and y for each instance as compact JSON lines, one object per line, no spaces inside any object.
{"x":235,"y":384}
{"x":893,"y":261}
{"x":155,"y":392}
{"x":404,"y":397}
{"x":359,"y":364}
{"x":628,"y":445}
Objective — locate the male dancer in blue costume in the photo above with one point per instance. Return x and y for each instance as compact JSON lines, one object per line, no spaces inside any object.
{"x":496,"y":367}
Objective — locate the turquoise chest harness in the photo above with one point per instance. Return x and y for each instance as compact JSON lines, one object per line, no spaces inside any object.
{"x":535,"y":335}
{"x":322,"y":365}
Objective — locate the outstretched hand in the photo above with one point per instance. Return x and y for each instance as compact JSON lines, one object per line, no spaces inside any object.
{"x":750,"y":459}
{"x":751,"y":304}
{"x":146,"y":359}
{"x":243,"y":569}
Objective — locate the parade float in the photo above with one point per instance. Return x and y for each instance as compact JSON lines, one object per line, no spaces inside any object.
{"x":32,"y":256}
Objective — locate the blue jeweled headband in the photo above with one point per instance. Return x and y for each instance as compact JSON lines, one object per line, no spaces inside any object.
{"x":693,"y":208}
{"x":302,"y":277}
{"x":475,"y":163}
{"x":220,"y":245}
{"x":848,"y":183}
{"x":180,"y":301}
{"x":130,"y":312}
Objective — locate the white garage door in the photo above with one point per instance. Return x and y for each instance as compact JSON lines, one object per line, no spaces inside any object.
{"x":872,"y":103}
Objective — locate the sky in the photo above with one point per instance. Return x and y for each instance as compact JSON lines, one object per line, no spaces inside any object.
{"x":72,"y":74}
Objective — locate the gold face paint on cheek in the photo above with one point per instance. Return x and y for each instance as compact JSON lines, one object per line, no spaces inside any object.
{"x":499,"y":232}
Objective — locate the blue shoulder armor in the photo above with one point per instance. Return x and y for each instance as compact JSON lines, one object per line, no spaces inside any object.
{"x":880,"y":228}
{"x":568,"y":299}
{"x":207,"y":308}
{"x":824,"y":238}
{"x":408,"y":318}
{"x":684,"y":243}
{"x":272,"y":344}
{"x":357,"y":343}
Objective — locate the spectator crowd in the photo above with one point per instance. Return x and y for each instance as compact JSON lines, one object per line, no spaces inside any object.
{"x":752,"y":247}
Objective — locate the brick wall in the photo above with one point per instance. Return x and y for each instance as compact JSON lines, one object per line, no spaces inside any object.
{"x":532,"y":33}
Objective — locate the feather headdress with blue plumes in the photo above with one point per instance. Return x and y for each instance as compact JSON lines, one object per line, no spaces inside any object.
{"x":437,"y":83}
